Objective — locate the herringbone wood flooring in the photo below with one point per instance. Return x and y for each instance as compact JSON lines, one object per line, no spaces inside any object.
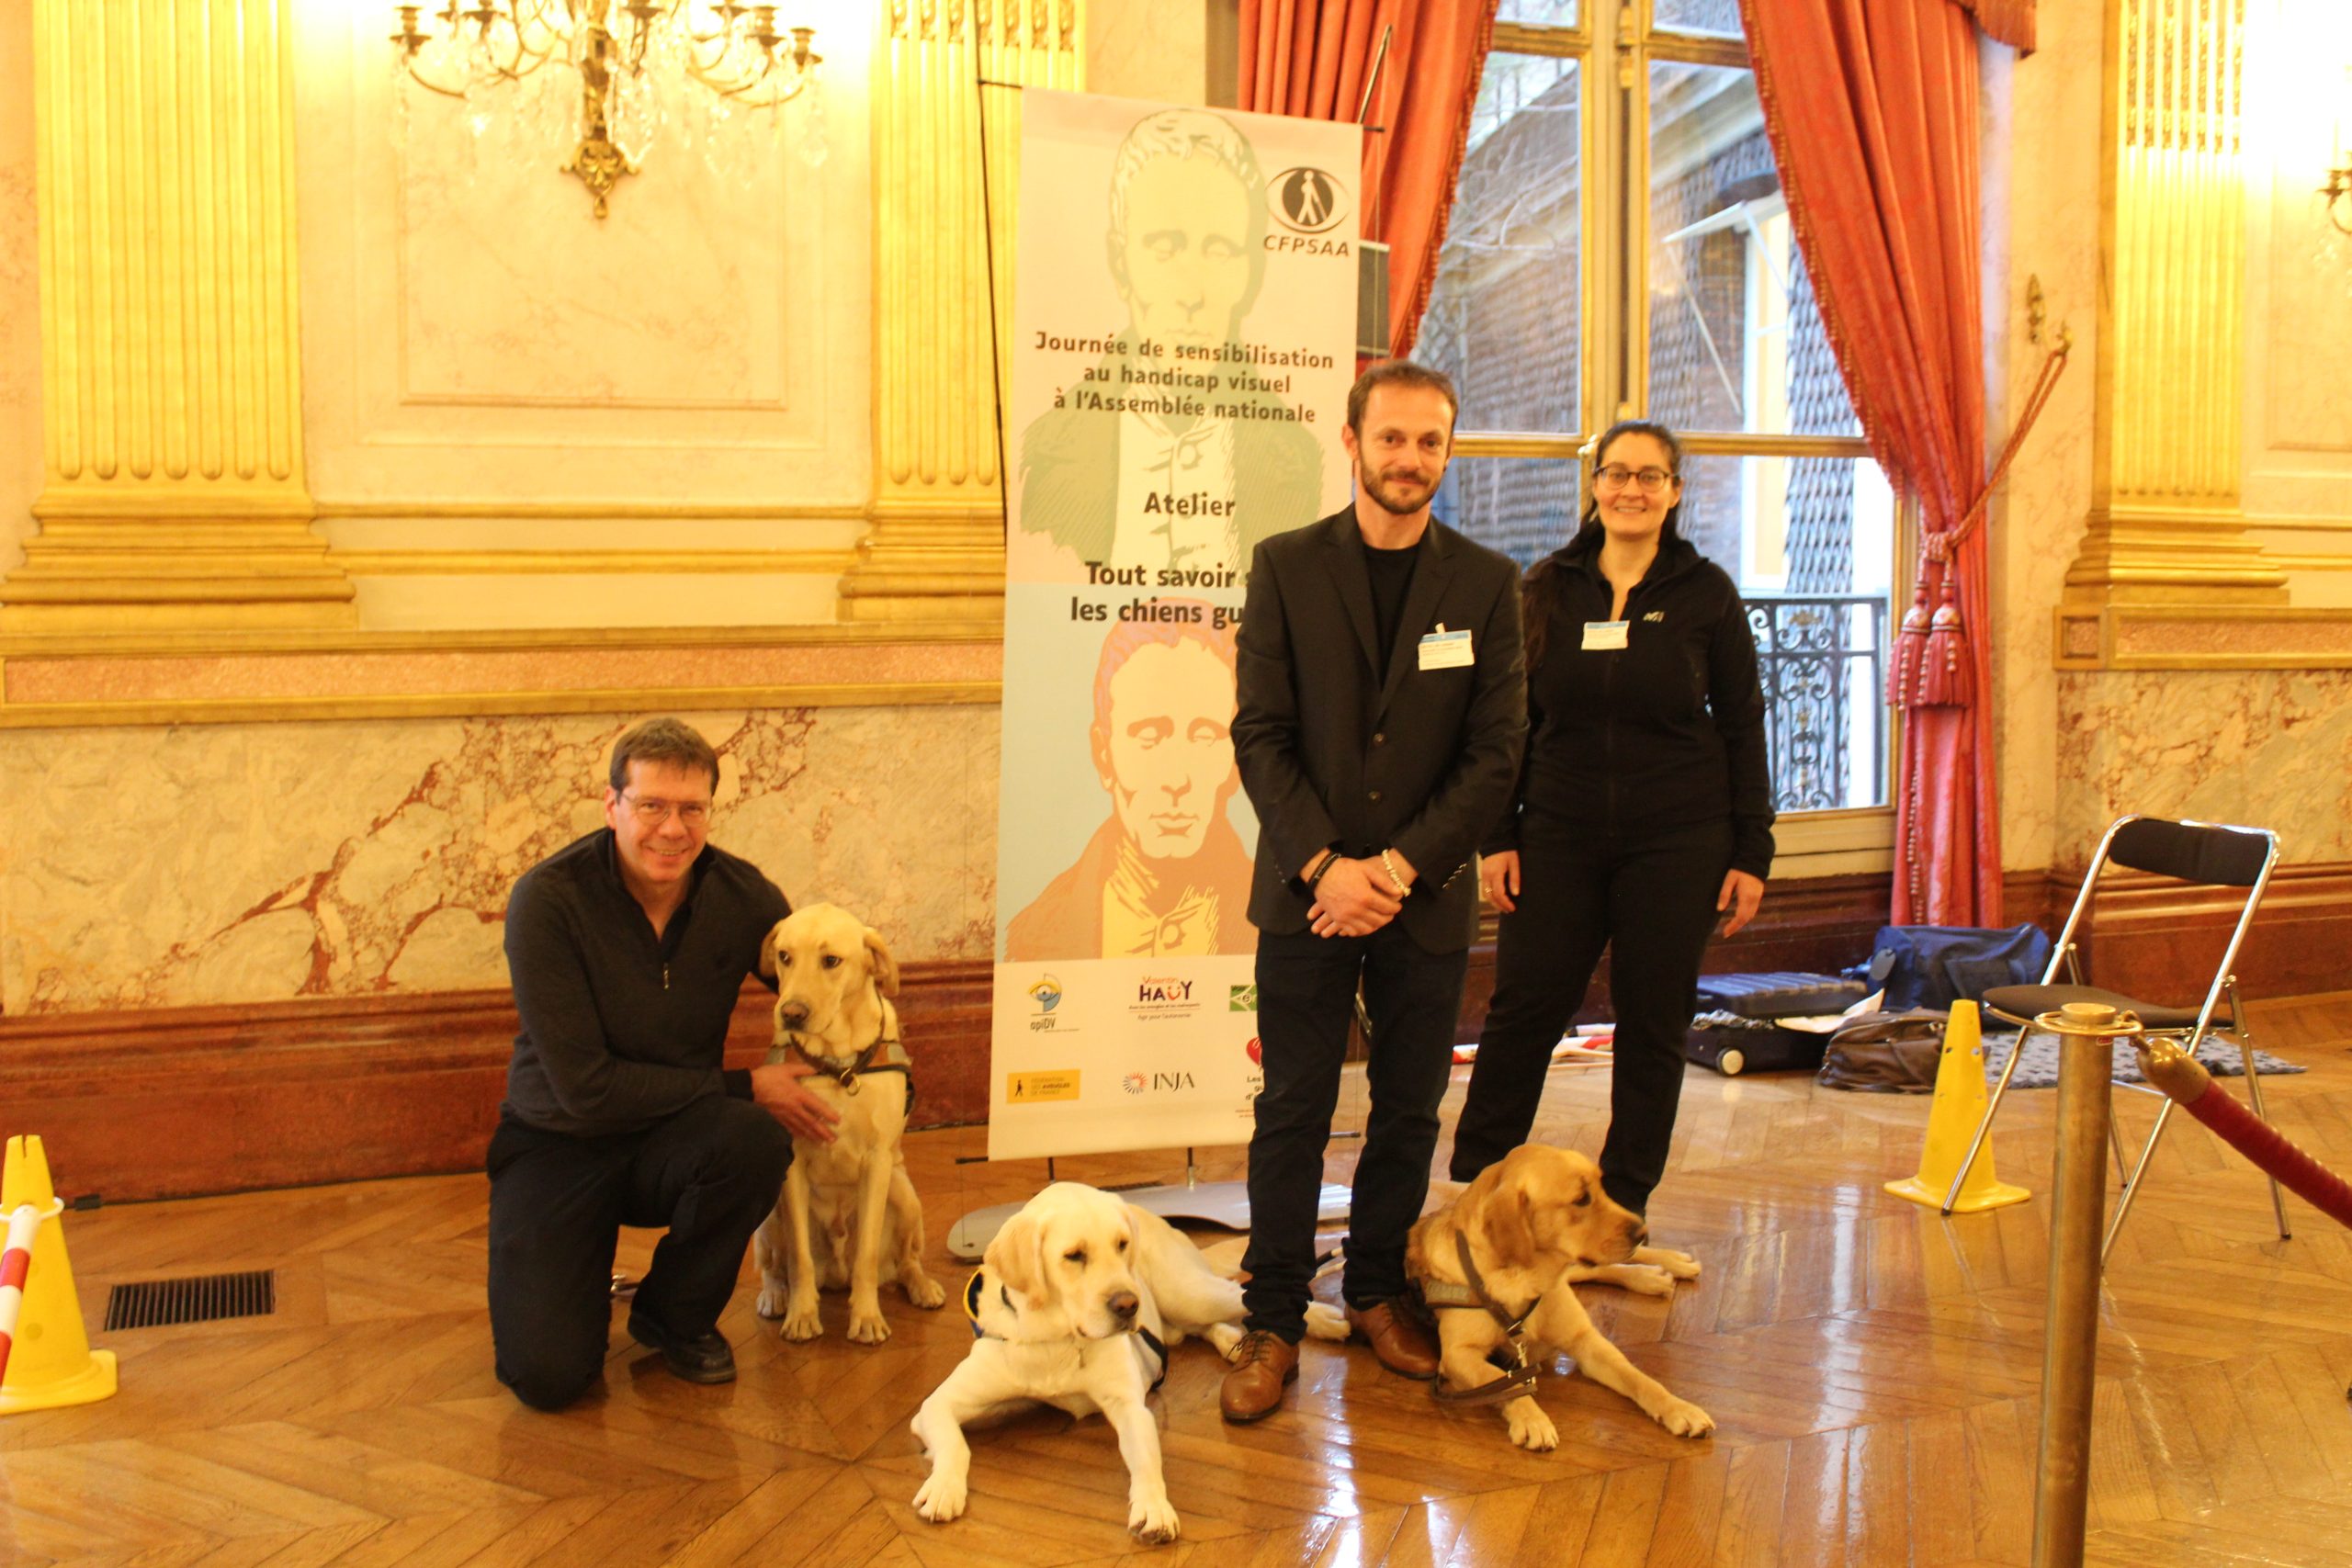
{"x":1873,"y":1369}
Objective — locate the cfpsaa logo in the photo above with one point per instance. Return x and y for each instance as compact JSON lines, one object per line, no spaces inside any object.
{"x":1309,"y":200}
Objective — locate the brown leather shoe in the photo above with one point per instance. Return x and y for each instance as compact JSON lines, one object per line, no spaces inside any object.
{"x":1264,"y":1363}
{"x":1403,"y":1346}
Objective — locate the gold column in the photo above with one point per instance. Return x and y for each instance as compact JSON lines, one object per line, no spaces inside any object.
{"x":936,"y":549}
{"x":2165,"y":526}
{"x":170,"y":353}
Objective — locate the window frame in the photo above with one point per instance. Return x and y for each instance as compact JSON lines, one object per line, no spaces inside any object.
{"x":1613,"y":207}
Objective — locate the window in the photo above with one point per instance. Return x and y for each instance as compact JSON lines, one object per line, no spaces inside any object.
{"x":1620,"y":245}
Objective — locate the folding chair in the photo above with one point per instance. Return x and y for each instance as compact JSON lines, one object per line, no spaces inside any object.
{"x":2190,"y":852}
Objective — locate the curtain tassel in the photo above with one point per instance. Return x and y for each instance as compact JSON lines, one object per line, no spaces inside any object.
{"x":1909,"y":654}
{"x":1945,"y":673}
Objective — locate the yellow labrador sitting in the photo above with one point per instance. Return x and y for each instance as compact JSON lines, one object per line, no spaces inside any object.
{"x":1535,"y":1223}
{"x":1076,"y":1305}
{"x":847,"y":1206}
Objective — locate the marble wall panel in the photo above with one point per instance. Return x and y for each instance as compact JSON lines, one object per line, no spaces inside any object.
{"x":257,"y":863}
{"x":21,"y":462}
{"x":2268,"y":749}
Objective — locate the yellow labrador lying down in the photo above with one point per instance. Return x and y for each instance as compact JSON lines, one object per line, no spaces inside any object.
{"x":1077,"y":1303}
{"x":1530,"y":1226}
{"x":847,"y":1207}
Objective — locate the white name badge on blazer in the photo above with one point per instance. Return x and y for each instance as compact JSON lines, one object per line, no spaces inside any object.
{"x":1601,"y":636}
{"x":1442,"y":649}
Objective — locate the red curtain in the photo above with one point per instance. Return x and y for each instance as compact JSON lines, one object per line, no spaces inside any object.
{"x":2004,"y":21}
{"x":1871,"y":109}
{"x":1310,"y":58}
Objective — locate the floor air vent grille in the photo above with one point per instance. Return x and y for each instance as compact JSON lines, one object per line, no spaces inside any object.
{"x":159,"y":1301}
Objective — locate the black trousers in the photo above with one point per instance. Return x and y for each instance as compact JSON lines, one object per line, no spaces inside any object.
{"x":1652,"y":904}
{"x":1307,"y":989}
{"x":710,"y":1173}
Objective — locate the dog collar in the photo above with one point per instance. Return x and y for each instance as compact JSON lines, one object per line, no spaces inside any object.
{"x":976,"y":1288}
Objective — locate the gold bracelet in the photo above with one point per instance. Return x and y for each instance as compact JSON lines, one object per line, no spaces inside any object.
{"x":1394,"y":880}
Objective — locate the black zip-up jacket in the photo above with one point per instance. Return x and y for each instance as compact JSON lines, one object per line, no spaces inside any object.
{"x":620,"y":1030}
{"x":1668,"y":731}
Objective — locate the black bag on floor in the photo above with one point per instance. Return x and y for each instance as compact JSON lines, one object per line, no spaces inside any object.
{"x":1886,"y":1053}
{"x":1734,"y":1031}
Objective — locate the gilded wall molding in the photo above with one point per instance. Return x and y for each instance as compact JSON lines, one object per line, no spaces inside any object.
{"x":174,"y":492}
{"x":2210,"y":637}
{"x":2165,"y":525}
{"x":935,"y":547}
{"x":188,"y":677}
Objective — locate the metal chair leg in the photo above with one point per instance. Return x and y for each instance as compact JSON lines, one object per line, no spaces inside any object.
{"x":2132,"y":1188}
{"x":1985,"y":1127}
{"x":2243,"y":1030}
{"x":2115,"y":1143}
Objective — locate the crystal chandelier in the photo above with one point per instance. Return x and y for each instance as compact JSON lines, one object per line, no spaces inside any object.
{"x":645,"y":69}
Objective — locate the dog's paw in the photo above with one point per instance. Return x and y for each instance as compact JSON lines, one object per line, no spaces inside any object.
{"x":1226,"y":1336}
{"x":1646,"y":1279}
{"x":774,"y":1303}
{"x":924,"y":1291}
{"x":1530,"y":1427}
{"x":942,"y":1498}
{"x":1325,"y":1322}
{"x":1153,"y":1520}
{"x":1685,"y":1419}
{"x":1681,"y":1265}
{"x":868,"y":1326}
{"x":801,"y":1322}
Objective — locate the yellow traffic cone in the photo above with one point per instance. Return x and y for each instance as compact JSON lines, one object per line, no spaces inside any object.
{"x":1951,"y":1121}
{"x":52,"y":1362}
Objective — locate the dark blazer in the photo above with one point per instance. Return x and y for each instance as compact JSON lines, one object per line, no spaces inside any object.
{"x":1425,"y":763}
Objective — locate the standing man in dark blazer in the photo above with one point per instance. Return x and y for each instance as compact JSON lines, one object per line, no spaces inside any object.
{"x":1382,"y":704}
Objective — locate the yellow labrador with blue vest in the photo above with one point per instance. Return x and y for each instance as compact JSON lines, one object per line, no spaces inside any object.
{"x":847,"y":1208}
{"x":1076,"y":1305}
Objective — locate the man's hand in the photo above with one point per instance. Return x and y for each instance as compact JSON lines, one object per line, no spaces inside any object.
{"x":776,"y":1087}
{"x":1742,"y":892}
{"x":1498,"y":878}
{"x":1353,"y":900}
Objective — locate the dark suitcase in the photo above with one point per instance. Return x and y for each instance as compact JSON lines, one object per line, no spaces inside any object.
{"x":1734,"y":1033}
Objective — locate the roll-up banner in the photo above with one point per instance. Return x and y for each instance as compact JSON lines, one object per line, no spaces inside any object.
{"x":1181,"y":348}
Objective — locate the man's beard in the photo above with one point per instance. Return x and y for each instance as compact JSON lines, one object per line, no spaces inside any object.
{"x":1371,"y":485}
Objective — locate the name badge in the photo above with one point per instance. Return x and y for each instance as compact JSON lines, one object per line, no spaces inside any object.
{"x":1442,"y":649}
{"x":1601,"y":636}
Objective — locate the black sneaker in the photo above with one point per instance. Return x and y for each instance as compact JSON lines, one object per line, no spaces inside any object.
{"x":704,"y":1358}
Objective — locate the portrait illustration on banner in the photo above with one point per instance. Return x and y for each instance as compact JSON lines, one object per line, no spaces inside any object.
{"x":1179,"y":445}
{"x":1164,"y":875}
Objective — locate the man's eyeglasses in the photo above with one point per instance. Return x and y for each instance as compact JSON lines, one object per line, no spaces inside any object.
{"x":1616,"y":476}
{"x":653,"y":813}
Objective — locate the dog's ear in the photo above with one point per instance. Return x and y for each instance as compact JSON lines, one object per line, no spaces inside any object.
{"x":1015,"y":1256}
{"x":767,"y":951}
{"x":1504,"y":1224}
{"x":886,"y":968}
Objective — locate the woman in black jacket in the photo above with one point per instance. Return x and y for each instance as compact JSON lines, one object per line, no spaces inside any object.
{"x":1645,"y":810}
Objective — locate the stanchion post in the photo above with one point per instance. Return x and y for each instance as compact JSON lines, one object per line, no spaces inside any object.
{"x":2087,"y":1034}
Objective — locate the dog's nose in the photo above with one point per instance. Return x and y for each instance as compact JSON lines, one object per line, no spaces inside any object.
{"x":1123,"y":1305}
{"x":792,"y":1015}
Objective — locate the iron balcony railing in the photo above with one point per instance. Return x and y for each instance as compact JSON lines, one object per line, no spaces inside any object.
{"x":1822,"y":657}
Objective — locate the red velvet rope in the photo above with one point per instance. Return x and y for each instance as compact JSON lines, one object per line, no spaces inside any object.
{"x":2271,"y":1153}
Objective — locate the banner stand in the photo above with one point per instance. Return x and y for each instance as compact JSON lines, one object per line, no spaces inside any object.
{"x":1225,"y":1204}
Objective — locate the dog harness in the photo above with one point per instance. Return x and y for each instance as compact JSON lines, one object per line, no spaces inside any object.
{"x":977,"y":1287}
{"x":847,"y":1076}
{"x":1519,"y":1376}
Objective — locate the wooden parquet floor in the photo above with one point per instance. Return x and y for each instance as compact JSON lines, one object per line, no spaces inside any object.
{"x":1873,"y":1367}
